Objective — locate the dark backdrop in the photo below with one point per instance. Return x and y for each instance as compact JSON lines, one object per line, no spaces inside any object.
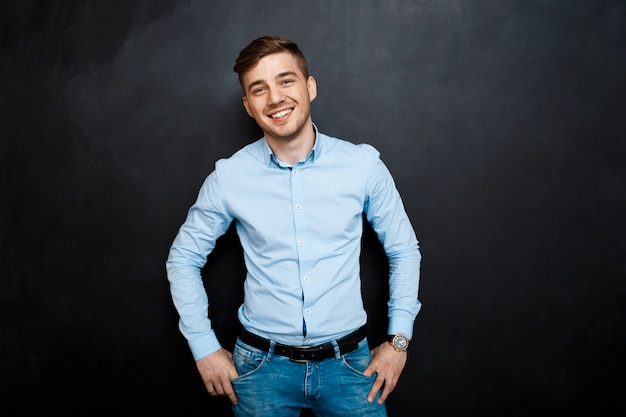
{"x":503,"y":123}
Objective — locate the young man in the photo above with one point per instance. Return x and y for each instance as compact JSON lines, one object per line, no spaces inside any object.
{"x":297,"y":198}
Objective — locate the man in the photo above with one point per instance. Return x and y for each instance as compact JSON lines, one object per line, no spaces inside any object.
{"x":297,"y":198}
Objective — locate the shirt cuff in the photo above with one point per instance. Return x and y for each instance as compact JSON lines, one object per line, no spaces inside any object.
{"x":400,"y":325}
{"x":204,"y":345}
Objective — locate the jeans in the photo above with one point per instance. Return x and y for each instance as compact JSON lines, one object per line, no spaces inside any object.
{"x":271,"y":385}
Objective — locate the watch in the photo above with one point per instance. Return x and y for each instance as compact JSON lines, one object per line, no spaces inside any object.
{"x":399,"y":342}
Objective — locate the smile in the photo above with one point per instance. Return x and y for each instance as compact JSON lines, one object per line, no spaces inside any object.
{"x":281,"y":114}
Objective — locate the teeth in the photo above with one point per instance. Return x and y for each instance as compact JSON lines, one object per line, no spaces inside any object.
{"x":280,"y":114}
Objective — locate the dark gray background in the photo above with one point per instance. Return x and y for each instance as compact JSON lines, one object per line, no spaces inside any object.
{"x":503,"y":123}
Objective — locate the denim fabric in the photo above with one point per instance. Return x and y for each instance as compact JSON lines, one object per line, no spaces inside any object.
{"x":270,"y":385}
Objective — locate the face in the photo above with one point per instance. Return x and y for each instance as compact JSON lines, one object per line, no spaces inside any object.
{"x":278,"y":97}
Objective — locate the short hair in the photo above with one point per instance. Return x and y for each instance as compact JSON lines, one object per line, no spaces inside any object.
{"x":261,"y":47}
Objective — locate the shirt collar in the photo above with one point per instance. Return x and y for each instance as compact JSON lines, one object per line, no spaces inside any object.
{"x":270,"y":158}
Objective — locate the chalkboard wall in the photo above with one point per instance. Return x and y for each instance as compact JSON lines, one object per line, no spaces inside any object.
{"x":503,"y":122}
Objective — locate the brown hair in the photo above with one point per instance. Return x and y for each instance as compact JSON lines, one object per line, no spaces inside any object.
{"x":267,"y":45}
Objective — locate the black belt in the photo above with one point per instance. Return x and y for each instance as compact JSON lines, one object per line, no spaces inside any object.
{"x":306,"y":353}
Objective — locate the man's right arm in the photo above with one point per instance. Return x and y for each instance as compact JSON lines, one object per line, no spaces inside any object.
{"x":206,"y":221}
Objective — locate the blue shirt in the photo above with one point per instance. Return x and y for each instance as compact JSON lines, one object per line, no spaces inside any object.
{"x":300,"y":228}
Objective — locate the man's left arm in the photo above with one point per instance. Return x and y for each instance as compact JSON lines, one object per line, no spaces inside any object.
{"x":385,"y":211}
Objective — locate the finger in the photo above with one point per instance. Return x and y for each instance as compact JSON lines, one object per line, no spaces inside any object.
{"x":378,"y":383}
{"x":211,"y":389}
{"x":223,"y":389}
{"x":230,"y":393}
{"x":369,"y":371}
{"x":388,"y":387}
{"x":383,"y":396}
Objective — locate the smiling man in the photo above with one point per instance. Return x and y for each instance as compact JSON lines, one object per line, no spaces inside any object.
{"x":297,"y":197}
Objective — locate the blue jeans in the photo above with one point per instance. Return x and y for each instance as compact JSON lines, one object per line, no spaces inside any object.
{"x":271,"y":385}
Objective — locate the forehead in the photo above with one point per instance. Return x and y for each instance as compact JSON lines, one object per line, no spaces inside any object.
{"x":271,"y":66}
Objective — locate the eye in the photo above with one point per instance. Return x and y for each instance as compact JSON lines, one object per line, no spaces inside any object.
{"x":258,"y":90}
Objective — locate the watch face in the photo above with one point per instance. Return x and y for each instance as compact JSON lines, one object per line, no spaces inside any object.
{"x":400,"y":342}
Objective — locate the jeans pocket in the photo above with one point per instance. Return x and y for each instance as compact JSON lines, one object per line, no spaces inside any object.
{"x":358,"y":360}
{"x":247,"y":359}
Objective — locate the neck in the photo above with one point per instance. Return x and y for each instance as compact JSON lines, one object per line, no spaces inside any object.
{"x":293,"y":149}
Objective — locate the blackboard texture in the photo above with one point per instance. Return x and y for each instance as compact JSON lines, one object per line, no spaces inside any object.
{"x":503,"y":123}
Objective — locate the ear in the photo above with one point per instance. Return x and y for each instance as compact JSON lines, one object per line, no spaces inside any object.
{"x":312,"y":86}
{"x":247,"y":106}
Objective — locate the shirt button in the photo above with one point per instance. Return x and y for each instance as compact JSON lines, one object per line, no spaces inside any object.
{"x":298,"y":206}
{"x":308,"y":310}
{"x":295,"y":171}
{"x":305,"y":278}
{"x":302,"y":243}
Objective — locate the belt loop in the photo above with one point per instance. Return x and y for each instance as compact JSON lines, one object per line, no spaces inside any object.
{"x":270,"y":351}
{"x":337,"y":350}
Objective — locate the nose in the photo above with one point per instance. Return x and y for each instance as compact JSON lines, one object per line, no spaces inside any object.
{"x":275,"y":96}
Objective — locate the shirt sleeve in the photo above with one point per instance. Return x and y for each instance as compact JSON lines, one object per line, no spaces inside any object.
{"x":386,"y":213}
{"x":206,"y":221}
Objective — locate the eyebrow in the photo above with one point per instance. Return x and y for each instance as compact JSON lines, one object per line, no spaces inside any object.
{"x":278,"y":77}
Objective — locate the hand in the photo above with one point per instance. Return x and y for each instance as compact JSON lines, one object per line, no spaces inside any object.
{"x":217,"y":370}
{"x":388,"y":364}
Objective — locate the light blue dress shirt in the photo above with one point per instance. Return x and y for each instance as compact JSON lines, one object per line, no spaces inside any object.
{"x":300,"y":228}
